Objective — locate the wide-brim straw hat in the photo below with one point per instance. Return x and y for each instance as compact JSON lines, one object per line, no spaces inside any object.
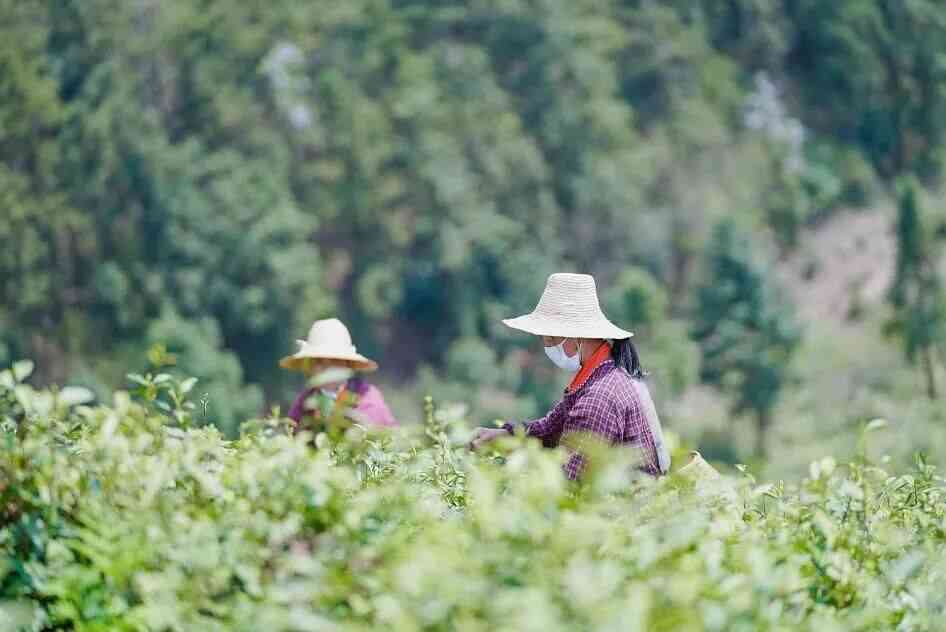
{"x":329,"y":340}
{"x":569,"y":308}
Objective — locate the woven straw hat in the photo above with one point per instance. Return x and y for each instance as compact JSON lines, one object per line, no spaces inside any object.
{"x":569,"y":309}
{"x":328,"y":340}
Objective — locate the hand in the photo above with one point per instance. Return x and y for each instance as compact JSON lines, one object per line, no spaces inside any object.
{"x":485,"y":435}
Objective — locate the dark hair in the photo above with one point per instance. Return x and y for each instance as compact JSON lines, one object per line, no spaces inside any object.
{"x":356,"y":385}
{"x":624,"y":354}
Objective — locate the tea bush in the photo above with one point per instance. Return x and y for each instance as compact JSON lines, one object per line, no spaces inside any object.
{"x":128,"y":516}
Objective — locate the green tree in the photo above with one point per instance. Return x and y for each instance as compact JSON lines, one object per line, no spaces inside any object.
{"x":143,"y":162}
{"x":747,"y":332}
{"x":917,"y":293}
{"x":872,"y":72}
{"x":40,"y":231}
{"x":418,"y":166}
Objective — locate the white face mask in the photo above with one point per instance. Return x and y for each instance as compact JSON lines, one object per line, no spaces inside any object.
{"x":562,"y":360}
{"x":332,"y":395}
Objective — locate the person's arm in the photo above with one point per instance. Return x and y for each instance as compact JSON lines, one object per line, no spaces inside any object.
{"x":547,"y":429}
{"x":297,"y":411}
{"x":593,"y":419}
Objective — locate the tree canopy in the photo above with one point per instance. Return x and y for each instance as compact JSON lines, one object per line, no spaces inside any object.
{"x":419,"y":166}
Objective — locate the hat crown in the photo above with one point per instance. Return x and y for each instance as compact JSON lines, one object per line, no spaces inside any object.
{"x":569,"y":295}
{"x":329,"y":340}
{"x":569,"y":307}
{"x":330,"y":333}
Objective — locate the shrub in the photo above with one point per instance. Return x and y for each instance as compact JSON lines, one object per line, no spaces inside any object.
{"x":116,"y":518}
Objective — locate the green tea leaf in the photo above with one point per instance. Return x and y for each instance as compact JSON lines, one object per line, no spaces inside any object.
{"x":22,"y":370}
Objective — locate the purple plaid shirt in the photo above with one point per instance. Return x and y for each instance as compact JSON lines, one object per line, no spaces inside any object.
{"x":608,"y":406}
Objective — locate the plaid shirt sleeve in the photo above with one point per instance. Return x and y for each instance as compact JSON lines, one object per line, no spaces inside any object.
{"x":548,"y":429}
{"x":592,"y":418}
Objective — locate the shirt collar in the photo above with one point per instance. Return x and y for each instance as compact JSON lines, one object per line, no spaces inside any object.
{"x":599,"y":357}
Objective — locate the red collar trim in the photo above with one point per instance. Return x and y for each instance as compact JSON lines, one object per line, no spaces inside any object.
{"x":598,"y":358}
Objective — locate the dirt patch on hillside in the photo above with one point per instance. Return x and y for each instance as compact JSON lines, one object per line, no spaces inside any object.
{"x":845,"y":265}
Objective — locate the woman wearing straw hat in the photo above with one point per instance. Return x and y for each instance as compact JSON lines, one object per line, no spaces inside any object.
{"x":329,"y":349}
{"x":607,"y":400}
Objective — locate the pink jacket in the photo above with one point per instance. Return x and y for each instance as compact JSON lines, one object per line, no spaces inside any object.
{"x":370,"y":404}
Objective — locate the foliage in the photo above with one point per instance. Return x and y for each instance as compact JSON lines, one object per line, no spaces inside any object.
{"x":419,"y":166}
{"x":875,"y":71}
{"x":216,"y":175}
{"x":194,"y":347}
{"x":133,"y":177}
{"x":917,"y":293}
{"x":746,"y":330}
{"x":112,"y":518}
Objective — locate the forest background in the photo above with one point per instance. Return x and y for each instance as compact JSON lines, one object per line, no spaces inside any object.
{"x":755,"y":184}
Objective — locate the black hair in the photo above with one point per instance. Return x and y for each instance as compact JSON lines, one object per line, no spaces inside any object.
{"x":356,"y":385}
{"x":625,"y":355}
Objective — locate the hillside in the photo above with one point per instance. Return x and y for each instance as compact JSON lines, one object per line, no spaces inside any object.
{"x":187,"y":187}
{"x":845,"y":265}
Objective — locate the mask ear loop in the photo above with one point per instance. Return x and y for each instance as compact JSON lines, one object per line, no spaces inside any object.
{"x":577,"y":353}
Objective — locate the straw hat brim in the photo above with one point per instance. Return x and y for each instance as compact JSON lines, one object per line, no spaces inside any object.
{"x":540,"y":325}
{"x":356,"y":361}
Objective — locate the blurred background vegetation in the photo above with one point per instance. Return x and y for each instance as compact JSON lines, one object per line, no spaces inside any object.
{"x":754,"y":184}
